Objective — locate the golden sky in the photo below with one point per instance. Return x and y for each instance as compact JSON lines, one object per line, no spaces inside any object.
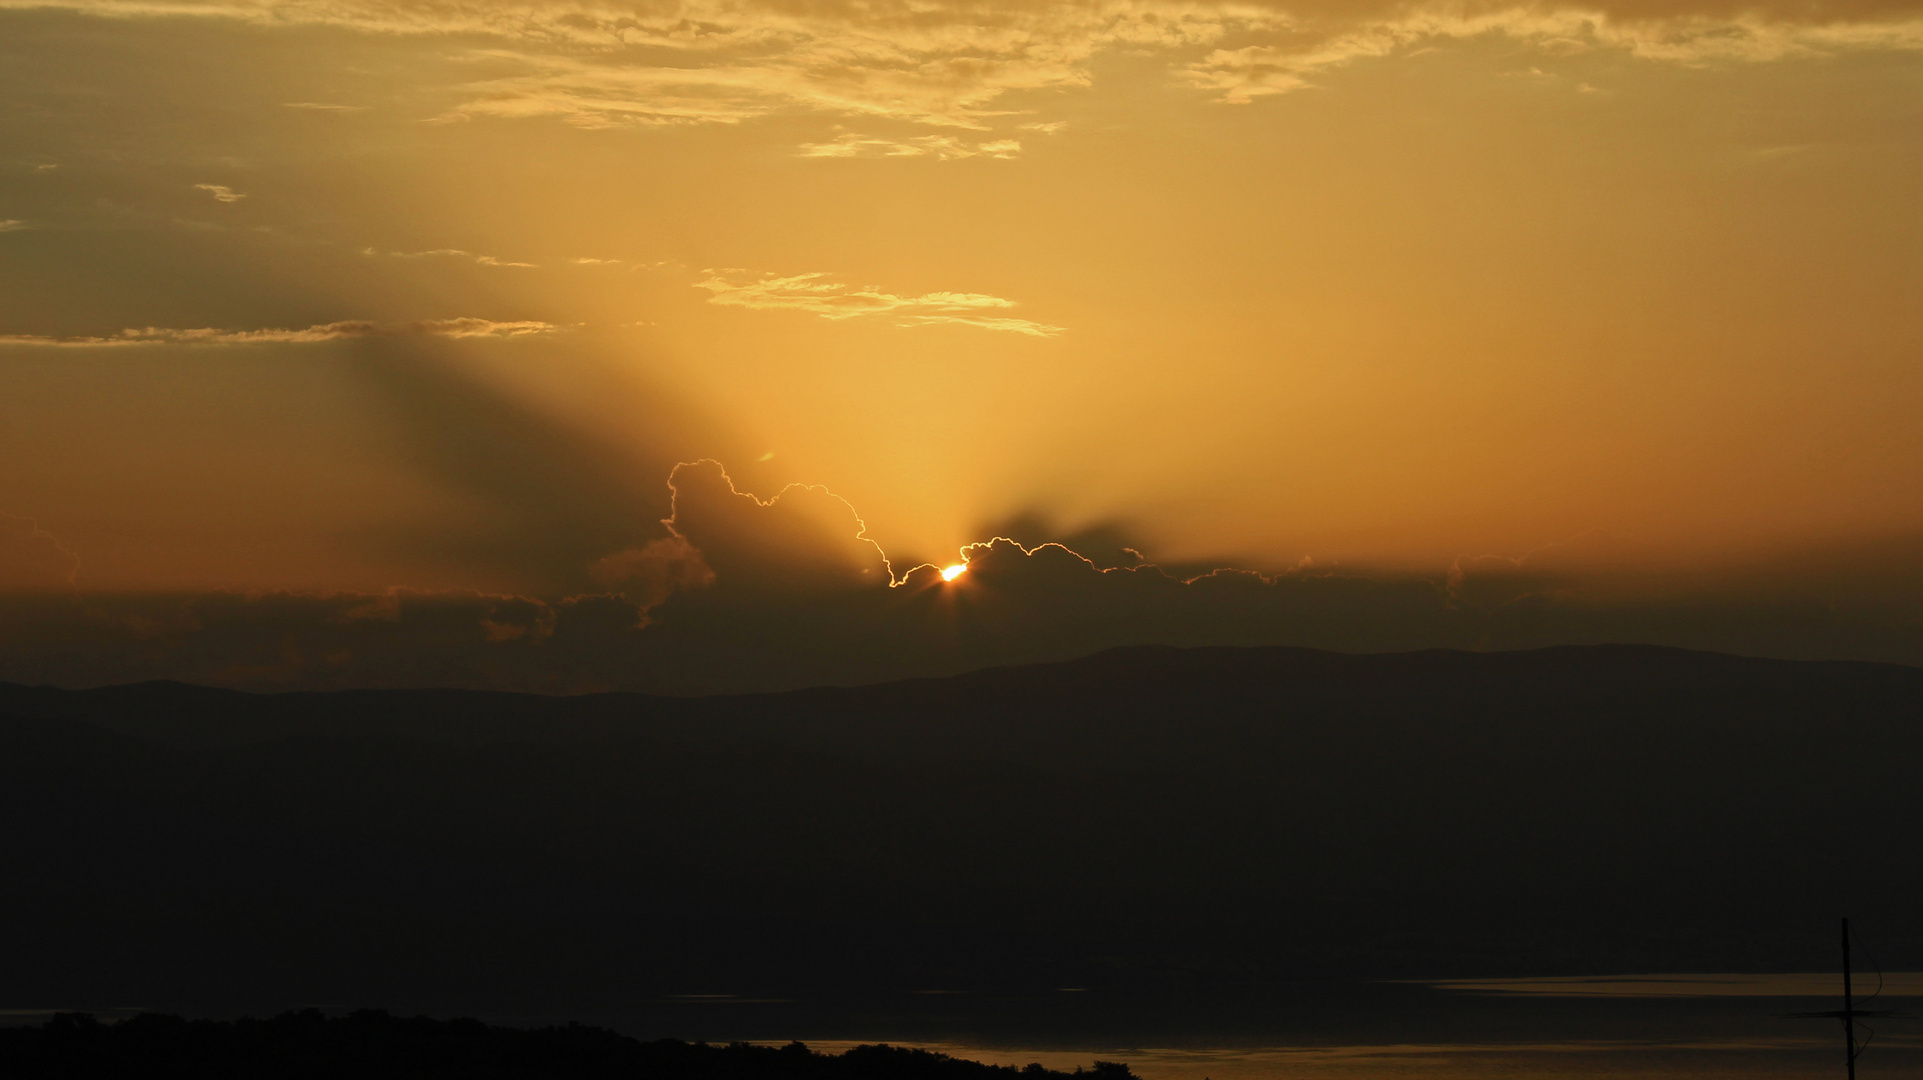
{"x":356,"y":295}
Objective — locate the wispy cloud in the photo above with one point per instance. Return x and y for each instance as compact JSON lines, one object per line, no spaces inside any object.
{"x":624,"y":264}
{"x":715,"y":62}
{"x":1290,"y":60}
{"x":322,"y":106}
{"x":220,"y":192}
{"x":609,"y":63}
{"x":334,"y":331}
{"x":816,"y":294}
{"x":939,"y":147}
{"x":604,"y":64}
{"x":986,"y":322}
{"x":12,"y":225}
{"x":448,"y":253}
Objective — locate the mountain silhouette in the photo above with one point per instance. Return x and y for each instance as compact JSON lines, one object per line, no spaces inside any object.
{"x":309,"y":1045}
{"x":1145,"y":817}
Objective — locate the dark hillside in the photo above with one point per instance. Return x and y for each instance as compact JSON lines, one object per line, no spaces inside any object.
{"x":371,"y":1045}
{"x":1143,"y":817}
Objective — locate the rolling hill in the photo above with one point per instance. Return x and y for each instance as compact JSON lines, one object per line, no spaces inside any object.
{"x":1153,"y":818}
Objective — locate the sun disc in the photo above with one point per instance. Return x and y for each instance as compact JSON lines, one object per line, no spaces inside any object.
{"x":953,"y":572}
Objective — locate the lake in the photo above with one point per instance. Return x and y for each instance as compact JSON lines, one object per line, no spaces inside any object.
{"x":1644,"y":1026}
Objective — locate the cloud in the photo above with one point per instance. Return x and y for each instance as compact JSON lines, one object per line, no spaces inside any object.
{"x":469,"y":327}
{"x":282,"y":640}
{"x":1672,"y":33}
{"x":220,"y":192}
{"x":736,"y":592}
{"x":716,"y":63}
{"x":804,"y":538}
{"x":450,"y":253}
{"x":335,"y":331}
{"x":602,"y":64}
{"x":322,"y":106}
{"x":939,"y":147}
{"x":33,"y":560}
{"x":627,"y":264}
{"x":815,"y":294}
{"x":12,"y":225}
{"x":985,"y":322}
{"x":649,"y":574}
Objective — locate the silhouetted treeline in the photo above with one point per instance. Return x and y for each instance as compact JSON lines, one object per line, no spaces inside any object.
{"x":1147,"y":817}
{"x":372,"y":1045}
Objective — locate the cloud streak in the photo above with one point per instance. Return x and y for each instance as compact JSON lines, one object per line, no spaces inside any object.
{"x":220,"y":192}
{"x":736,"y":592}
{"x":816,"y":294}
{"x":334,"y":331}
{"x":450,"y":253}
{"x":1241,"y":75}
{"x":939,"y":147}
{"x":600,"y":64}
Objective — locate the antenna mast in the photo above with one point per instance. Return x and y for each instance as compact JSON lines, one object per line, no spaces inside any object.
{"x":1849,"y":1013}
{"x":1849,"y":1006}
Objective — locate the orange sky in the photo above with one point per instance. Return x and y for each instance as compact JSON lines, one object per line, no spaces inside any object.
{"x":350,"y":295}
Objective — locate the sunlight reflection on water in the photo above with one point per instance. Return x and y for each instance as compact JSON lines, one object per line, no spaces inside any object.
{"x":1759,"y":1058}
{"x":1673,"y":1025}
{"x":1786,"y":984}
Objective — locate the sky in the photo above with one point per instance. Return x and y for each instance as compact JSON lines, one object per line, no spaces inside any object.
{"x":584,"y":345}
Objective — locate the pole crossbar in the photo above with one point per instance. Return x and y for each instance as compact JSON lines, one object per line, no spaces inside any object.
{"x":1849,"y":1014}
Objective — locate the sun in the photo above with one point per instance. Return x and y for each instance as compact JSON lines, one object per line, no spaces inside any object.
{"x":952,"y":572}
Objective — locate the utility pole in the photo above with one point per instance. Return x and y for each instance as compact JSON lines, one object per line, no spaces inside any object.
{"x":1849,"y":1013}
{"x":1849,"y":1006}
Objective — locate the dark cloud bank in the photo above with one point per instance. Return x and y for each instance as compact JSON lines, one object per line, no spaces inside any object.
{"x":740,"y":595}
